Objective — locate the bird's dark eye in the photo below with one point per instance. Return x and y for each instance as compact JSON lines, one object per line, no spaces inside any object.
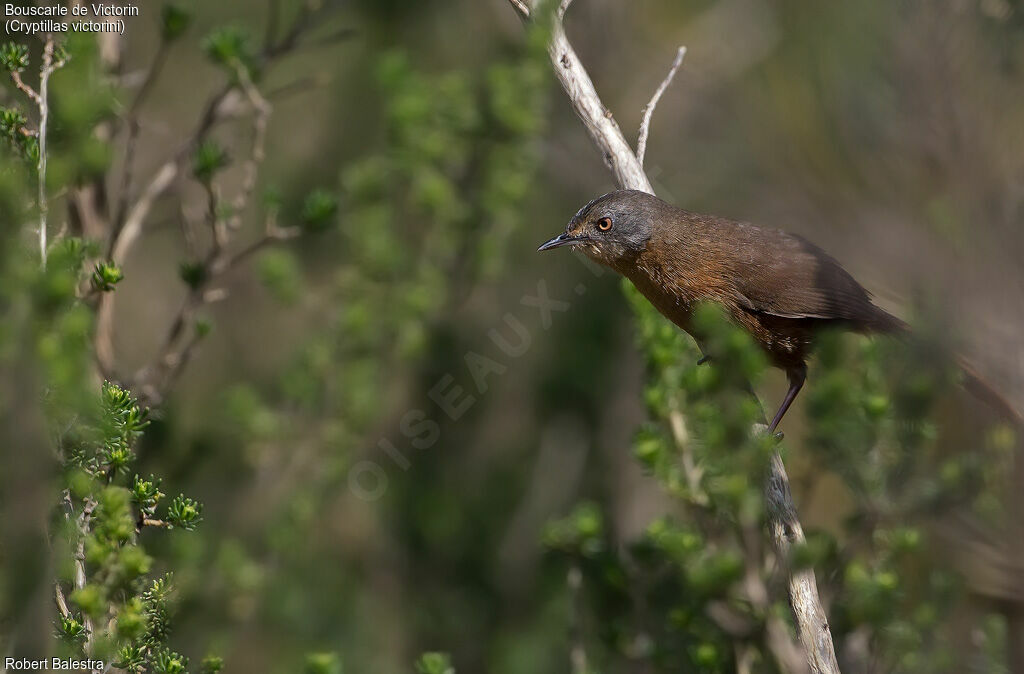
{"x":604,"y":224}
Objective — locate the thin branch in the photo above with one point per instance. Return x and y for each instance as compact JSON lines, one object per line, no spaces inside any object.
{"x":521,"y":7}
{"x":24,"y":88}
{"x":127,"y":231}
{"x":225,"y":104}
{"x":787,"y":533}
{"x":598,"y":120}
{"x":258,"y":245}
{"x":784,"y":525}
{"x":645,"y":124}
{"x":136,"y":216}
{"x":213,"y":218}
{"x":62,"y":604}
{"x":179,"y":346}
{"x":160,"y":524}
{"x":262,"y":111}
{"x":691,"y":471}
{"x":218,"y":108}
{"x":297,"y":87}
{"x":44,"y":116}
{"x":132,"y":122}
{"x":84,"y":521}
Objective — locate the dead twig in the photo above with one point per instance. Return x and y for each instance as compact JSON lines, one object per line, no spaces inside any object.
{"x":262,"y":110}
{"x":645,"y":124}
{"x":133,"y":127}
{"x":41,"y":99}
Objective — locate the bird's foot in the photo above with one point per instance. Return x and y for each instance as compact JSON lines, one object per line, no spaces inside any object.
{"x":703,"y":359}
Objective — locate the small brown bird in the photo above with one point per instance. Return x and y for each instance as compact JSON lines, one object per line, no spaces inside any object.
{"x":780,"y":287}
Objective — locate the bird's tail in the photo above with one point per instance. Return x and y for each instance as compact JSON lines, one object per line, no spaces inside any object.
{"x":973,"y":382}
{"x":884,"y":322}
{"x":978,"y":387}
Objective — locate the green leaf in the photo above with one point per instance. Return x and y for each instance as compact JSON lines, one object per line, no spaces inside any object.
{"x":169,"y":662}
{"x":131,"y":658}
{"x":580,"y":533}
{"x":318,"y":210}
{"x":14,"y":56}
{"x":146,"y":493}
{"x":281,"y":273}
{"x":105,"y":276}
{"x":131,"y":620}
{"x":174,"y":21}
{"x":185,"y":513}
{"x":229,"y":46}
{"x":192,"y":273}
{"x":435,"y":663}
{"x":208,"y":159}
{"x":71,"y":628}
{"x":322,"y":663}
{"x":90,"y":599}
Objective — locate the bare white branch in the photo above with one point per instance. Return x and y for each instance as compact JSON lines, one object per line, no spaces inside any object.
{"x":787,"y":533}
{"x":521,"y":7}
{"x":598,"y":120}
{"x":140,"y":210}
{"x":44,"y":116}
{"x":645,"y":123}
{"x":262,"y":109}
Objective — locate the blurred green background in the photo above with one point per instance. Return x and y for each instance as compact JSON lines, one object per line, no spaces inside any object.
{"x":345,"y":510}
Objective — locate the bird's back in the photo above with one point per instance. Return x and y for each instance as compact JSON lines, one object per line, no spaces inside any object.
{"x":778,"y":285}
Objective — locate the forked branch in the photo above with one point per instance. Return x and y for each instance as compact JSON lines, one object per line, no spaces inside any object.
{"x":645,"y":124}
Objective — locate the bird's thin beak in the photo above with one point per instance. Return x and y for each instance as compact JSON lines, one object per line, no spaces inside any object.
{"x":557,"y":242}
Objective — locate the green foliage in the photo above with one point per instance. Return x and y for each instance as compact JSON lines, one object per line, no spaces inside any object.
{"x":105,"y":276}
{"x":146,"y":494}
{"x":318,"y":210}
{"x":15,"y":131}
{"x":192,"y":273}
{"x":281,"y":273}
{"x":323,"y":663}
{"x":131,"y":658}
{"x":185,"y":513}
{"x":582,"y":533}
{"x":12,"y":122}
{"x":61,"y":55}
{"x":434,"y":663}
{"x":230,"y":47}
{"x":169,"y":662}
{"x":871,"y":414}
{"x":209,"y":158}
{"x":174,"y":21}
{"x":14,"y":56}
{"x":109,"y":605}
{"x":426,"y":215}
{"x":130,"y":612}
{"x":418,"y":228}
{"x":71,"y":628}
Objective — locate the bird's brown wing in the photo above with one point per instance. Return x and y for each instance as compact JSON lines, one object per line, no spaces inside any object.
{"x":788,"y":276}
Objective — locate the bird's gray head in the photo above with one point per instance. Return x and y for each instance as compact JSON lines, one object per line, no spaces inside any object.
{"x":613,"y":228}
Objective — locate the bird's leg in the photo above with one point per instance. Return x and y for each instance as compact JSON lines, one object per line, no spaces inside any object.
{"x":796,"y":376}
{"x":705,"y":356}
